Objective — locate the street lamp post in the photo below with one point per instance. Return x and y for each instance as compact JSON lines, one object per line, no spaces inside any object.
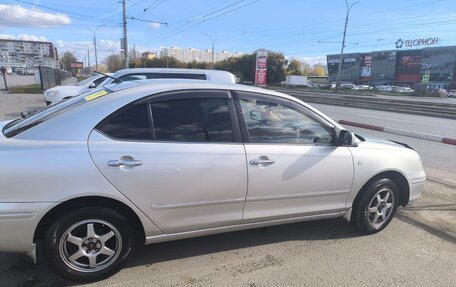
{"x":213,"y":41}
{"x":343,"y":43}
{"x":94,"y":32}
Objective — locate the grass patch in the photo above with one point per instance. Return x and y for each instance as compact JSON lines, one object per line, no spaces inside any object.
{"x":28,"y":89}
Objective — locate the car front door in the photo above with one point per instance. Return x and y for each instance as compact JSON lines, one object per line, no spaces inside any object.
{"x":294,"y":167}
{"x":178,"y":157}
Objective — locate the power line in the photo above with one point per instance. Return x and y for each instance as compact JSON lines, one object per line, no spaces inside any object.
{"x":205,"y":19}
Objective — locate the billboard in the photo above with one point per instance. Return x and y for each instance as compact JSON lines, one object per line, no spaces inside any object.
{"x":261,"y":67}
{"x":409,"y":66}
{"x":365,"y":66}
{"x":77,"y":65}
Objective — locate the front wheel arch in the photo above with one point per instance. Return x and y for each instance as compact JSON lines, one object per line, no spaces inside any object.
{"x":399,"y":179}
{"x":89,"y":201}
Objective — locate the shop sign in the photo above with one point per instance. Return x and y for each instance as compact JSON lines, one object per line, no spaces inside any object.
{"x":434,"y":41}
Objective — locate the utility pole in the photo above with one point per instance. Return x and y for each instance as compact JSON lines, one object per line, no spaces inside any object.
{"x":94,"y":32}
{"x":343,"y":43}
{"x":125,"y":40}
{"x":88,"y":58}
{"x":213,"y":51}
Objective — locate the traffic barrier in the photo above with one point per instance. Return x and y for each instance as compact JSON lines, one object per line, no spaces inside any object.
{"x":423,"y":136}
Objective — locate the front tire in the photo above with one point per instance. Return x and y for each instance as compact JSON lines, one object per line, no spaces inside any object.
{"x":376,"y":206}
{"x":89,"y":244}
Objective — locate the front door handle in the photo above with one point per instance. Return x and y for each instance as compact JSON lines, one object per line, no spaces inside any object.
{"x":262,"y":161}
{"x":123,"y":162}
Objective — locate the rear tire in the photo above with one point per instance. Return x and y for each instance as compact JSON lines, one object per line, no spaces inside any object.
{"x":376,"y":206}
{"x":89,"y":244}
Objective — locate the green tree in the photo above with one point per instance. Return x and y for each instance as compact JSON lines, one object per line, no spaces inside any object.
{"x":276,"y":68}
{"x":66,"y":59}
{"x":113,"y":62}
{"x":294,"y":68}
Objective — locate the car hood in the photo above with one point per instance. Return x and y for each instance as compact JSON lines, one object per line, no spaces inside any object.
{"x":380,"y":143}
{"x":66,"y":88}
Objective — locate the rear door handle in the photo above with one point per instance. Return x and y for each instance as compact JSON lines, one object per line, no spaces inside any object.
{"x":262,"y":161}
{"x":130,"y":163}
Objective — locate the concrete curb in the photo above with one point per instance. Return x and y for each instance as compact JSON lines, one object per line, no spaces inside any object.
{"x":407,"y":133}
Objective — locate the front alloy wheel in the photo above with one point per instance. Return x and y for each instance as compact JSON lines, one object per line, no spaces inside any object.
{"x":89,"y":244}
{"x":381,"y":207}
{"x":375,"y":206}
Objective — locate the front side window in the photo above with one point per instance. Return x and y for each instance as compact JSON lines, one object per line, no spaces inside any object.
{"x":270,"y":122}
{"x":192,"y":120}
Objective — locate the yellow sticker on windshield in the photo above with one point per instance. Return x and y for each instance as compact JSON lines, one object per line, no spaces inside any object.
{"x":96,"y":95}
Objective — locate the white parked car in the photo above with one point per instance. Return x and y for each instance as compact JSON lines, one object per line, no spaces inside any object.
{"x":59,"y":93}
{"x":388,"y":89}
{"x":452,"y":94}
{"x":63,"y":92}
{"x":146,"y":162}
{"x":404,"y":90}
{"x":362,"y":88}
{"x":170,"y":73}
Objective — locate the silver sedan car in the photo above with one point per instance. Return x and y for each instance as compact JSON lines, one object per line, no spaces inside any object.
{"x":94,"y":176}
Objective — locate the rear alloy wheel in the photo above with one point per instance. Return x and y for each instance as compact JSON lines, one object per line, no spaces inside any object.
{"x":376,"y":206}
{"x":89,"y":244}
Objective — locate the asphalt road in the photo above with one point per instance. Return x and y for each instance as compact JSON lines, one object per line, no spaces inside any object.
{"x":421,"y":124}
{"x":417,"y":249}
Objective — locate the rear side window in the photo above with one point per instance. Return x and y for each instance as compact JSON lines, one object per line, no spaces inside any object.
{"x":129,"y":123}
{"x":192,"y":120}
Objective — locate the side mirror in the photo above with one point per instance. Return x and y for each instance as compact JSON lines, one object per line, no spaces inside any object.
{"x":92,"y":86}
{"x":346,"y":138}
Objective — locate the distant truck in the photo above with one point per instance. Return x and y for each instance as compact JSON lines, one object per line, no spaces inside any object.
{"x":294,"y":81}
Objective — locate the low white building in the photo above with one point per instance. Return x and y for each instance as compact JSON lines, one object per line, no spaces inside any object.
{"x":192,"y":54}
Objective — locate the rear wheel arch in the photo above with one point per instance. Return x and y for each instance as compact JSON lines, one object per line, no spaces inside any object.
{"x":398,"y":178}
{"x":89,"y":201}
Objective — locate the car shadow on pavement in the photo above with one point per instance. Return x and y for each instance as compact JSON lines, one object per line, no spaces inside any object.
{"x":19,"y":270}
{"x":333,"y":229}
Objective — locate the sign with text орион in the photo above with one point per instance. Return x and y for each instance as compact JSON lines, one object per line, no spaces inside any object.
{"x":434,"y":41}
{"x":261,"y":67}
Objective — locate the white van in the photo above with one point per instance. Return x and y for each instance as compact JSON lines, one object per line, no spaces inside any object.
{"x":57,"y":94}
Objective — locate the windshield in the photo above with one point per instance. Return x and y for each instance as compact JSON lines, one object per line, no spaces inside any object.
{"x":86,"y":81}
{"x":22,"y":124}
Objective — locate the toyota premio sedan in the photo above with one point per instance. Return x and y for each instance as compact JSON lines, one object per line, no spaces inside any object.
{"x":90,"y":178}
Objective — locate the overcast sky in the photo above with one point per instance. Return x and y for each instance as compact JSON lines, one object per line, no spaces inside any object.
{"x":305,"y":29}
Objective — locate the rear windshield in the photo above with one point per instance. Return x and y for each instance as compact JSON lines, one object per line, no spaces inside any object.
{"x":20,"y":125}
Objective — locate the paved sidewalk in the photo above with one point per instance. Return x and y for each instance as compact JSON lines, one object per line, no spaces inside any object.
{"x":11,"y":105}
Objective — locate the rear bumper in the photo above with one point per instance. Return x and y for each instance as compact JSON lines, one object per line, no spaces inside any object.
{"x":18,"y":222}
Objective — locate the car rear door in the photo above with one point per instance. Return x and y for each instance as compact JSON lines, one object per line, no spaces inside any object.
{"x":294,"y":169}
{"x":178,"y":157}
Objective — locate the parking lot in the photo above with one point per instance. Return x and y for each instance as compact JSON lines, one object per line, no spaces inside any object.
{"x":417,"y":249}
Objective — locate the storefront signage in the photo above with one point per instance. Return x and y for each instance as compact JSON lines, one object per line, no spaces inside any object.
{"x":417,"y":42}
{"x":346,"y":60}
{"x":366,"y":67}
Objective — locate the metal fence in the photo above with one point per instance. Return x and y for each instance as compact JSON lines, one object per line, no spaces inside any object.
{"x":50,"y":77}
{"x":3,"y":84}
